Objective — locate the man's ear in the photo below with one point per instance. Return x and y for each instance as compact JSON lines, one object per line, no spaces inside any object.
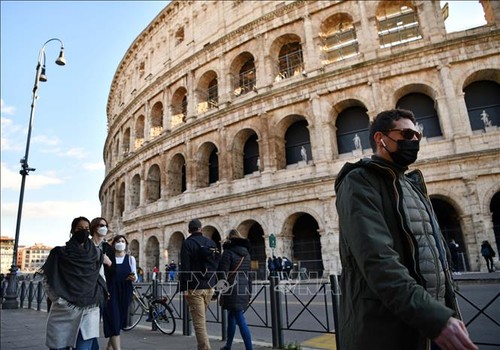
{"x":378,"y":138}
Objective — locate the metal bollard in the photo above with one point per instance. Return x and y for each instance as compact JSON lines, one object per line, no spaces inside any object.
{"x":39,"y":296}
{"x":31,"y":294}
{"x":334,"y":285}
{"x":276,"y":321}
{"x":186,"y":326}
{"x":23,"y":294}
{"x":154,"y":287}
{"x":223,"y":324}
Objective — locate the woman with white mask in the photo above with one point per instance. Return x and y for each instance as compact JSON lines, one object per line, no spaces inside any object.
{"x":99,"y":230}
{"x":120,"y":290}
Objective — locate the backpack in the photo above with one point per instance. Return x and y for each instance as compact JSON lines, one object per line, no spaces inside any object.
{"x":209,"y":257}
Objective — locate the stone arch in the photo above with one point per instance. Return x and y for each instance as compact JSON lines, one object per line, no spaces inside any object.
{"x":139,"y":131}
{"x":397,"y":22}
{"x":483,"y":104}
{"x":338,"y":38}
{"x":174,"y":247}
{"x":126,"y":142}
{"x":280,"y":131}
{"x":156,"y":119}
{"x":153,"y":183}
{"x":206,"y":171}
{"x":245,"y":153}
{"x":301,"y":237}
{"x":152,"y":253}
{"x":352,"y":129}
{"x":121,"y":199}
{"x":450,"y":223}
{"x":243,"y":73}
{"x":135,"y":251}
{"x":176,"y":175}
{"x":286,"y":53}
{"x":207,"y":92}
{"x":135,"y":191}
{"x":423,"y":108}
{"x":213,"y":233}
{"x":254,"y":232}
{"x":179,"y":106}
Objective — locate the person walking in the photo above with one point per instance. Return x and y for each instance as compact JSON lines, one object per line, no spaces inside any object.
{"x":196,"y":283}
{"x":488,"y":254}
{"x":235,"y":266}
{"x":396,"y":288}
{"x":72,"y":282}
{"x":271,"y":266}
{"x":120,"y":289}
{"x":98,"y":230}
{"x":172,"y":269}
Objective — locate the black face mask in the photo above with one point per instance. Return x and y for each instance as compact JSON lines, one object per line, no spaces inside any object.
{"x":406,"y":153}
{"x":81,"y":235}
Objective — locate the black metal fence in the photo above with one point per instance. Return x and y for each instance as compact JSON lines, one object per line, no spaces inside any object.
{"x":315,"y":301}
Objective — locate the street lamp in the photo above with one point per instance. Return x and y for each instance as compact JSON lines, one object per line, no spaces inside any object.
{"x":10,"y":301}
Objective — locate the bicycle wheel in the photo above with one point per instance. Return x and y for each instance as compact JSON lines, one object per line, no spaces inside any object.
{"x":163,"y":317}
{"x":135,"y":313}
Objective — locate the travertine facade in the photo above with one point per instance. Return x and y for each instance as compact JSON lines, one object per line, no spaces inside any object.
{"x":241,"y":113}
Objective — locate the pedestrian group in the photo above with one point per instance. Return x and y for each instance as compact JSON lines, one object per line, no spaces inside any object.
{"x":396,"y":286}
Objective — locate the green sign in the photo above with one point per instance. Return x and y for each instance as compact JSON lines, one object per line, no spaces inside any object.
{"x":272,"y":240}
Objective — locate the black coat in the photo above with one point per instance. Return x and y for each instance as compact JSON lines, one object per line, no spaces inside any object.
{"x":237,"y":296}
{"x":190,"y":275}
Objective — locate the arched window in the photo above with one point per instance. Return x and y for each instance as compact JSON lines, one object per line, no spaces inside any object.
{"x":208,"y":92}
{"x":352,"y":129}
{"x":121,"y":199}
{"x":423,"y":109}
{"x":177,"y":175}
{"x":397,"y":23}
{"x":246,"y":77}
{"x":156,"y":119}
{"x":153,"y":184}
{"x":251,"y":161}
{"x":290,"y":61}
{"x":213,"y":167}
{"x":339,"y":39}
{"x":135,"y":191}
{"x":126,"y":142}
{"x":297,"y":143}
{"x":179,"y":107}
{"x":139,"y":131}
{"x":483,"y":104}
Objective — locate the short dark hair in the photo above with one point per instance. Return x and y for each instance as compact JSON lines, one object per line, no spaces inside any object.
{"x":385,"y":121}
{"x":75,"y":222}
{"x":94,"y":224}
{"x":194,"y":225}
{"x":117,"y":237}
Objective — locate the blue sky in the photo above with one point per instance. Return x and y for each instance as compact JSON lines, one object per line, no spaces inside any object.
{"x":70,"y":117}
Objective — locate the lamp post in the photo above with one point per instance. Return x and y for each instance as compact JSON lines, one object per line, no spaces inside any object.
{"x":10,"y":301}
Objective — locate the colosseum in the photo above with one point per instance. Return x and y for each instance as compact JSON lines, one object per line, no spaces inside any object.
{"x":241,"y":114}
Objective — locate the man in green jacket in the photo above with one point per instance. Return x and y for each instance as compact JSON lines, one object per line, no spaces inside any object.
{"x":396,"y":288}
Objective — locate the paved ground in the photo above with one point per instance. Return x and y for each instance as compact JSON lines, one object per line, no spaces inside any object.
{"x":25,"y":329}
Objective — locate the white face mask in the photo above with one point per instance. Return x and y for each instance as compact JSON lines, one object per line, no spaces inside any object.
{"x":120,"y":246}
{"x":102,"y":231}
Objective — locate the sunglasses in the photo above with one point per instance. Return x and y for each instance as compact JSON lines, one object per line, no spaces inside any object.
{"x":407,"y":134}
{"x":103,"y":225}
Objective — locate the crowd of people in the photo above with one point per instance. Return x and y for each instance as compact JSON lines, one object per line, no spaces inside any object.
{"x":396,"y":285}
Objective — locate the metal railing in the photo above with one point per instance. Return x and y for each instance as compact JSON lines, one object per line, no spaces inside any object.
{"x":270,"y":306}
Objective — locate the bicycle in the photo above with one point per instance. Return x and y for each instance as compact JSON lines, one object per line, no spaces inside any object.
{"x":157,"y":309}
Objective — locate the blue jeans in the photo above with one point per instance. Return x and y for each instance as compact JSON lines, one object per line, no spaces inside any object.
{"x":81,"y":344}
{"x":236,"y":318}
